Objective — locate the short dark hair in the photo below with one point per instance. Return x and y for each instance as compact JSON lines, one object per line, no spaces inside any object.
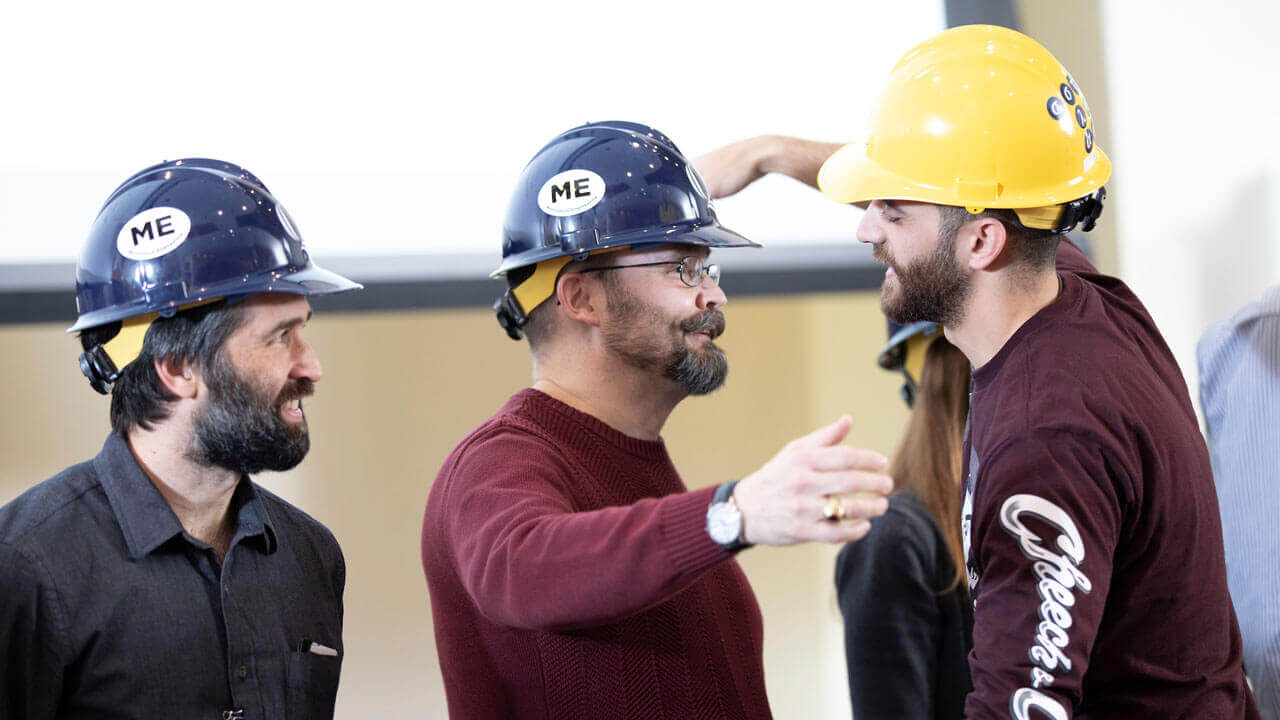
{"x":540,"y":321}
{"x":1033,"y":249}
{"x":196,"y":335}
{"x":537,"y":324}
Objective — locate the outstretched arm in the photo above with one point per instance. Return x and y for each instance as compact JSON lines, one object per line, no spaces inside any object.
{"x":528,"y":558}
{"x":732,"y":167}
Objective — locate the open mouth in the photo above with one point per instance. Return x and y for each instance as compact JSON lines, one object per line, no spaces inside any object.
{"x":292,"y":410}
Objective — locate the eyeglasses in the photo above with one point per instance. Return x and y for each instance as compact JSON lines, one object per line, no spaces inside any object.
{"x":692,"y":269}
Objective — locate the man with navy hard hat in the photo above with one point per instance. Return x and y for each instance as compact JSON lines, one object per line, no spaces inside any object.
{"x":572,"y":573}
{"x":157,"y":580}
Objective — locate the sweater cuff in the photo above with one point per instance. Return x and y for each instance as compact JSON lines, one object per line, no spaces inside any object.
{"x":684,"y":531}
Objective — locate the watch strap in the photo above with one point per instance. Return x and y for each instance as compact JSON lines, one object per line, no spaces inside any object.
{"x":724,"y":494}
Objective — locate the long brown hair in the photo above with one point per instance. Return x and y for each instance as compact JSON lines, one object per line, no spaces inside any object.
{"x":928,"y":460}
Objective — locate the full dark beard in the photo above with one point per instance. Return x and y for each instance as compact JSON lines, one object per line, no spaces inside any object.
{"x":240,"y":428}
{"x":697,"y":370}
{"x":933,"y":288}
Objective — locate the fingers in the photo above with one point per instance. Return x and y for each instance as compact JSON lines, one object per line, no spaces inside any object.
{"x":841,"y":457}
{"x":782,"y":503}
{"x":839,"y":532}
{"x":826,"y":435}
{"x":862,"y":507}
{"x":855,"y":508}
{"x":848,"y":481}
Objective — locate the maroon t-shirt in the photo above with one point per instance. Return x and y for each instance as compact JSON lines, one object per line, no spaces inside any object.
{"x":1091,"y":526}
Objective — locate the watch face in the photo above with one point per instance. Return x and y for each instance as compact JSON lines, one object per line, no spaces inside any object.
{"x":724,"y":523}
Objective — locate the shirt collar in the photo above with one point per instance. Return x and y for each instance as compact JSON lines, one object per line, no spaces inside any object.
{"x":1069,"y":291}
{"x":145,"y":517}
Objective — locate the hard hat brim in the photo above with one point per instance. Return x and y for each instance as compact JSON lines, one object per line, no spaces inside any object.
{"x":850,"y":177}
{"x":886,"y":358}
{"x":309,"y":280}
{"x":701,"y":235}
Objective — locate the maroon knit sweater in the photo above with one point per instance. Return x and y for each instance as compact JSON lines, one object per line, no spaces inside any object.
{"x":571,"y":576}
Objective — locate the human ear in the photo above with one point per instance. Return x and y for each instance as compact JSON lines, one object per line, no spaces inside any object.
{"x":985,"y":241}
{"x":580,"y":298}
{"x":178,"y":377}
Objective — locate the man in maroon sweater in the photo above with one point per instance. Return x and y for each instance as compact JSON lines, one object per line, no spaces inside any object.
{"x":572,"y":574}
{"x":1091,"y":525}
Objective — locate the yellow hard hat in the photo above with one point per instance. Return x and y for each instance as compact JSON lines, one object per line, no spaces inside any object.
{"x":978,"y":117}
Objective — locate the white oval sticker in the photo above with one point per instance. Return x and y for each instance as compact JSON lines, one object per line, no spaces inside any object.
{"x":571,"y":192}
{"x":152,"y":233}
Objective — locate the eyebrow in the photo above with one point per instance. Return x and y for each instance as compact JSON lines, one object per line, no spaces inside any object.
{"x":288,"y":324}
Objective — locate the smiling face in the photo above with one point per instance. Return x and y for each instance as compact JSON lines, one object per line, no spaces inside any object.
{"x":658,"y":323}
{"x":252,"y":418}
{"x":924,"y":280}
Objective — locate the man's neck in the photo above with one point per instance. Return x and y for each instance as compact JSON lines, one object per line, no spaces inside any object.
{"x":629,"y":400}
{"x":994,"y":312}
{"x":200,"y":496}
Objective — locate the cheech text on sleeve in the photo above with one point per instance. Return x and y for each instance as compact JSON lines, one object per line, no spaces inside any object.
{"x":1042,"y":522}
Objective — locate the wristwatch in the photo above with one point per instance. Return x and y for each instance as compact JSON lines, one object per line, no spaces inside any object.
{"x":724,"y":520}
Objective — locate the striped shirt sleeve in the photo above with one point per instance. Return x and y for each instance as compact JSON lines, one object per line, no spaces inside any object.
{"x":1239,"y":363}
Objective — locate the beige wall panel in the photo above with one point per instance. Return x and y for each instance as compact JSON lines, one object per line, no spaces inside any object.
{"x":1072,"y":31}
{"x":401,"y":389}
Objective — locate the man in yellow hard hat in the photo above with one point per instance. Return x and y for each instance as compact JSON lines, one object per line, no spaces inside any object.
{"x":1091,"y":529}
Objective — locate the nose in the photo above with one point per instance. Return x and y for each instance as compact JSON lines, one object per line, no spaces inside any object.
{"x":710,"y":296}
{"x":870,"y":229}
{"x":306,"y":364}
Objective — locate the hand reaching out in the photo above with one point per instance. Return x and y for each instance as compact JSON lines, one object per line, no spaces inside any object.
{"x":782,"y":503}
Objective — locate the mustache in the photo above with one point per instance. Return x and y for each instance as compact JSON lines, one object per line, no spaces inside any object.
{"x":882,"y":256}
{"x":710,"y":322}
{"x":300,"y":388}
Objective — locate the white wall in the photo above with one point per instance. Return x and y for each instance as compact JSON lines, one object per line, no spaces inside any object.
{"x":1196,"y":192}
{"x":390,"y":128}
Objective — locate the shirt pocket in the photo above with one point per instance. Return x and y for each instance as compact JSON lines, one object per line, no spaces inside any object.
{"x":313,"y":685}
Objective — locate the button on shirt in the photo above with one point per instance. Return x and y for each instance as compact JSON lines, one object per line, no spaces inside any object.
{"x":1240,"y":393}
{"x":109,"y":609}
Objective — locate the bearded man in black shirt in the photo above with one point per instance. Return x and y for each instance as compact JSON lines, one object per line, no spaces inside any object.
{"x":157,"y":580}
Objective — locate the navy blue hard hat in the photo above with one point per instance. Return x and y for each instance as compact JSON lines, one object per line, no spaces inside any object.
{"x":184,"y":232}
{"x":905,"y":352}
{"x":599,"y":186}
{"x":604,"y":185}
{"x":180,"y":234}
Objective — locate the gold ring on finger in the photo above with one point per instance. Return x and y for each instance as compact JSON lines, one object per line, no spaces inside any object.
{"x":832,"y":509}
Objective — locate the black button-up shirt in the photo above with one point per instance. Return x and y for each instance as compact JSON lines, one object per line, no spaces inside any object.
{"x":110,"y":610}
